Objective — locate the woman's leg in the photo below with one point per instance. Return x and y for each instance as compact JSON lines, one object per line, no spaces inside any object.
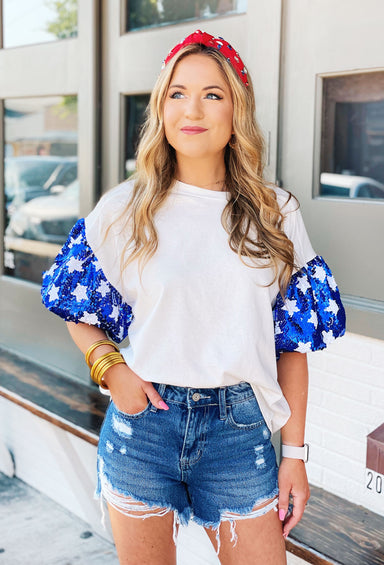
{"x":141,"y":541}
{"x":259,"y":541}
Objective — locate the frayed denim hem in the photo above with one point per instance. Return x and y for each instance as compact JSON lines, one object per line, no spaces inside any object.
{"x":232,"y":515}
{"x":130,"y":505}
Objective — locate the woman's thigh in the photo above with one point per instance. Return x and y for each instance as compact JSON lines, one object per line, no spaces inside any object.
{"x":259,"y":541}
{"x":141,"y":541}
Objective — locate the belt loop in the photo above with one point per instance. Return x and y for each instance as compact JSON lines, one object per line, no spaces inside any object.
{"x":222,"y":403}
{"x":161,"y":391}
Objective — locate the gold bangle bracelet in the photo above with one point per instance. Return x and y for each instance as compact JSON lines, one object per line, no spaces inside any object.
{"x":92,"y":348}
{"x":103,"y":369}
{"x":103,"y":363}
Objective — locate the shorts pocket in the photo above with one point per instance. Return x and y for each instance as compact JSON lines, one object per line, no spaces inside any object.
{"x":245,"y":415}
{"x":131,"y":416}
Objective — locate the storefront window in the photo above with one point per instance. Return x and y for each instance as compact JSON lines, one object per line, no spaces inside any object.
{"x":352,"y":140}
{"x":40,"y":182}
{"x":150,"y":13}
{"x":135,"y":106}
{"x":26,"y":22}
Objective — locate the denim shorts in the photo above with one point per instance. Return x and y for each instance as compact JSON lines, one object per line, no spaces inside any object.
{"x":208,"y":458}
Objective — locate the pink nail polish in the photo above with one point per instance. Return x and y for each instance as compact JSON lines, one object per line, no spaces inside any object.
{"x":282,"y":514}
{"x":163,"y":405}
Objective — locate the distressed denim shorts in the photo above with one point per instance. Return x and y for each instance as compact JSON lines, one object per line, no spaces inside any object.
{"x":208,"y":458}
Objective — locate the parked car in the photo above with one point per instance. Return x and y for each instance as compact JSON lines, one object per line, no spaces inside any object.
{"x":350,"y":186}
{"x":47,"y":218}
{"x":30,"y":177}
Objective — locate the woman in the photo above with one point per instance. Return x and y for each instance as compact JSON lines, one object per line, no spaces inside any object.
{"x":212,"y":269}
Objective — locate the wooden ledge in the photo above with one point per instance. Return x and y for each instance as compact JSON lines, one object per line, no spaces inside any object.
{"x":332,"y":531}
{"x":72,"y":406}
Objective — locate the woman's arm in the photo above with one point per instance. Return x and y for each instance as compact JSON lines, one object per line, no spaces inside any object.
{"x":129,"y":392}
{"x":292,"y":374}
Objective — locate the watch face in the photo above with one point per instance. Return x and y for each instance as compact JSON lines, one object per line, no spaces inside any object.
{"x":306,"y":452}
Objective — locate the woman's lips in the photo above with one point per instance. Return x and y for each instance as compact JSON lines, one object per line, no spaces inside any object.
{"x":192,"y":130}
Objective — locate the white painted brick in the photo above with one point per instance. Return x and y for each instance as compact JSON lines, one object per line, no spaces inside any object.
{"x":352,"y":346}
{"x":336,"y":463}
{"x":316,"y":360}
{"x":342,"y":485}
{"x":352,"y":409}
{"x":336,"y":421}
{"x":377,"y":349}
{"x":313,"y":434}
{"x":315,"y":396}
{"x":377,"y":398}
{"x":315,"y":472}
{"x":345,"y":446}
{"x":345,"y":387}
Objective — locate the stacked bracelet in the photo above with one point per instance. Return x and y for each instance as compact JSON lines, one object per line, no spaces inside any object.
{"x":92,"y":348}
{"x":102,"y":364}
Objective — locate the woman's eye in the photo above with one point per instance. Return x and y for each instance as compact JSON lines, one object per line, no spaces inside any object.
{"x":176,"y":95}
{"x":213,"y":96}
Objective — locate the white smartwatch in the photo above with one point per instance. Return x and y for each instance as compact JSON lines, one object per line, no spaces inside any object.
{"x":294,"y":452}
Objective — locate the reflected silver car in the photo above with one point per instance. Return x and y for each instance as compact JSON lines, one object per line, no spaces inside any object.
{"x":350,"y":186}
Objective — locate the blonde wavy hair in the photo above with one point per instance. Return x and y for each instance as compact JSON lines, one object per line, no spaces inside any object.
{"x":251,"y":217}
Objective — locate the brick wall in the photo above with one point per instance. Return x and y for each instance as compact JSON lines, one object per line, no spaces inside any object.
{"x":346,"y":403}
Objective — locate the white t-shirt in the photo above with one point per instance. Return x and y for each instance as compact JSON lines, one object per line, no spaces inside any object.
{"x":201,"y":317}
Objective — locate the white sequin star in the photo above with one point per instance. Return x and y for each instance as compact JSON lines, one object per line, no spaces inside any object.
{"x":332,"y":307}
{"x":75,"y":241}
{"x":277,"y":329}
{"x":303,"y":347}
{"x":53,"y":293}
{"x":313,"y":319}
{"x":80,"y":292}
{"x":290,"y":306}
{"x":88,"y":318}
{"x":328,"y":337}
{"x":51,"y":271}
{"x":104,"y":288}
{"x":303,"y":284}
{"x":320,"y":273}
{"x":332,"y":282}
{"x":115,"y":313}
{"x":74,"y":265}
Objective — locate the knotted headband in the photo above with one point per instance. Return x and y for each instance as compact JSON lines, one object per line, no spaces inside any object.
{"x":218,"y":43}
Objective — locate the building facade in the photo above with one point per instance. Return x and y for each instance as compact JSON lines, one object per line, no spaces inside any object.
{"x":75,"y":79}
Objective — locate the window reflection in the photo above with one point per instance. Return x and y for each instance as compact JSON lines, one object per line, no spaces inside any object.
{"x":40,"y":182}
{"x":352,"y":146}
{"x":26,"y":22}
{"x":135,"y":106}
{"x":147,"y":13}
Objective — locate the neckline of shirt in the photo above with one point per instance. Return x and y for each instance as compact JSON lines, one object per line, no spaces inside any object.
{"x":192,"y":190}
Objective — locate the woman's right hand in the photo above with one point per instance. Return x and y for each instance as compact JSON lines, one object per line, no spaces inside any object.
{"x":129,"y":392}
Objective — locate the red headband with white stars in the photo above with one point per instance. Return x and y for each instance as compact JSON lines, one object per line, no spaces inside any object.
{"x":218,"y":43}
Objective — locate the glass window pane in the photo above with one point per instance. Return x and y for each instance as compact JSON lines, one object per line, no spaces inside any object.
{"x":150,"y":13}
{"x":135,"y":106}
{"x":38,"y":21}
{"x":352,"y":137}
{"x":41,"y":186}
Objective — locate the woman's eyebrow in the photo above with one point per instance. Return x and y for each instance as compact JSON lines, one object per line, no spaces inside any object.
{"x":182,"y":87}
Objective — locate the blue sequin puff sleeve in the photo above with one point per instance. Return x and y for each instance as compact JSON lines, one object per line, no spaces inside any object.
{"x":311,"y":316}
{"x":76,"y":289}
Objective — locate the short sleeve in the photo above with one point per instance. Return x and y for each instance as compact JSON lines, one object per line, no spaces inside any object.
{"x":76,"y":289}
{"x":311,"y":315}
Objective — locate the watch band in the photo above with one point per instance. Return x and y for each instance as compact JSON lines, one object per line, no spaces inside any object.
{"x":294,"y":452}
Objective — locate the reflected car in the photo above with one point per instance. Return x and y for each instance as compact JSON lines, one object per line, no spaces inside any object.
{"x":47,"y":218}
{"x":32,"y":176}
{"x":36,"y":232}
{"x":350,"y":186}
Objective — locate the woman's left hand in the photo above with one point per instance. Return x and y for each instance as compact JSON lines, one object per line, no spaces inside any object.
{"x":292,"y":481}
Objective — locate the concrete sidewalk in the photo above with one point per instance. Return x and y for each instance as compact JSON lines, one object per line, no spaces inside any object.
{"x":37,"y":531}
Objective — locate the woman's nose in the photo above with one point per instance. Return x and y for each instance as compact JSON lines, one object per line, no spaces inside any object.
{"x":194,"y":109}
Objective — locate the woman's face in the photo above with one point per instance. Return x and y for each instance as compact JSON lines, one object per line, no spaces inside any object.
{"x":198,"y":109}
